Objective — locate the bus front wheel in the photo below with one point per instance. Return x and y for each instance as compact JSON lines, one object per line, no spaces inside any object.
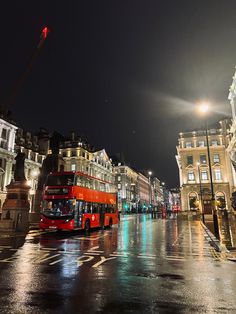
{"x":87,"y":225}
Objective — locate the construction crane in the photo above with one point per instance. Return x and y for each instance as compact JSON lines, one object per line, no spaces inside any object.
{"x":14,"y":92}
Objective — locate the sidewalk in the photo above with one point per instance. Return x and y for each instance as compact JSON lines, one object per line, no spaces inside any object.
{"x":219,"y":246}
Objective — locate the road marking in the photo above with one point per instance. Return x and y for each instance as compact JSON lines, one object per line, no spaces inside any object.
{"x":48,"y":249}
{"x":59,"y":260}
{"x":42,"y":259}
{"x":94,"y":250}
{"x":119,"y":255}
{"x":175,"y":259}
{"x":81,"y":262}
{"x":91,"y":238}
{"x":103,"y":260}
{"x":150,"y":257}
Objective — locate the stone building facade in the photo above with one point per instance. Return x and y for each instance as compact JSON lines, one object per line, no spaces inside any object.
{"x":7,"y":154}
{"x":144,"y":193}
{"x":77,"y":155}
{"x":126,"y":180}
{"x":13,"y":139}
{"x":192,"y":159}
{"x":33,"y":148}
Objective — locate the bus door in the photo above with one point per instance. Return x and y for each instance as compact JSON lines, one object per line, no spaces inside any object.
{"x":76,"y":215}
{"x":79,"y":211}
{"x":102,"y":215}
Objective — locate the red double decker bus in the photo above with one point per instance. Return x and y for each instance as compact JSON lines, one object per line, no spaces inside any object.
{"x":74,"y":200}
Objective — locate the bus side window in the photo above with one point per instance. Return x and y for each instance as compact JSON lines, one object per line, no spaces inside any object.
{"x":102,"y":187}
{"x":96,"y":184}
{"x":92,"y":185}
{"x":100,"y":208}
{"x":78,"y":181}
{"x":107,"y":187}
{"x":95,"y":208}
{"x":88,"y":183}
{"x":85,"y":208}
{"x":82,"y":181}
{"x":89,"y":207}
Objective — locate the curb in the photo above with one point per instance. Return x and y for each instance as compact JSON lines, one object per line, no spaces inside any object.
{"x":219,"y":247}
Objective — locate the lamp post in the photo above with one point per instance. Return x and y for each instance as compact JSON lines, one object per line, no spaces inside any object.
{"x":200,"y":188}
{"x":204,"y":108}
{"x":150,"y":189}
{"x":165,"y":204}
{"x":34,"y":176}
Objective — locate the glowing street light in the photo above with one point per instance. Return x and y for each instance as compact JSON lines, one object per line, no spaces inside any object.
{"x":203,"y":107}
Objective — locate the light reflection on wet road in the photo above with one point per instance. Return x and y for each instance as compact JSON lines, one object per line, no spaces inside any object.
{"x":142,"y":266}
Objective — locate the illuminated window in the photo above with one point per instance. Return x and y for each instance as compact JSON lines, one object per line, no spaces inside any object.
{"x":118,"y":178}
{"x":214,"y":143}
{"x":188,"y":144}
{"x":73,"y":167}
{"x":190,"y":176}
{"x":201,"y":143}
{"x":216,"y":158}
{"x":202,"y":159}
{"x":218,"y":175}
{"x":189,"y":160}
{"x":204,"y":175}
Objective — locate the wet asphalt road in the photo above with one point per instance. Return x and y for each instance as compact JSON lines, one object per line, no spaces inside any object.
{"x":143,"y":265}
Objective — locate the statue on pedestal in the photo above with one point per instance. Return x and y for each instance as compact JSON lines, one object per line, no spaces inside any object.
{"x":19,"y":173}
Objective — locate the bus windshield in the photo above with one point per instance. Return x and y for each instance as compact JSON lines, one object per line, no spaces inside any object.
{"x":58,"y":208}
{"x":63,"y":180}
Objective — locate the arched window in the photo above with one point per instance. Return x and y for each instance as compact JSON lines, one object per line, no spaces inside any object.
{"x":220,"y":200}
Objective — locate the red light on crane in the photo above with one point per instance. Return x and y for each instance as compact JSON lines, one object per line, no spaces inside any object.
{"x":45,"y":32}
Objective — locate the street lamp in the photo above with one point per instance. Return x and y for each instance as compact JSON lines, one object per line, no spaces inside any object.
{"x":204,"y":109}
{"x":34,"y":176}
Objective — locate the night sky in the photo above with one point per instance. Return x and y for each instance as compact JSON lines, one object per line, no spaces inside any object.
{"x":124,"y":74}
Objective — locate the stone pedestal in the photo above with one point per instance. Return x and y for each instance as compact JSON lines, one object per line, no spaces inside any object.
{"x":15,"y":209}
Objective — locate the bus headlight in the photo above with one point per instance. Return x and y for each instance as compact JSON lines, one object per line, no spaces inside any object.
{"x":67,"y":220}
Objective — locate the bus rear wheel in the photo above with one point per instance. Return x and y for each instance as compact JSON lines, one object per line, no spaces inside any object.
{"x":87,"y":225}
